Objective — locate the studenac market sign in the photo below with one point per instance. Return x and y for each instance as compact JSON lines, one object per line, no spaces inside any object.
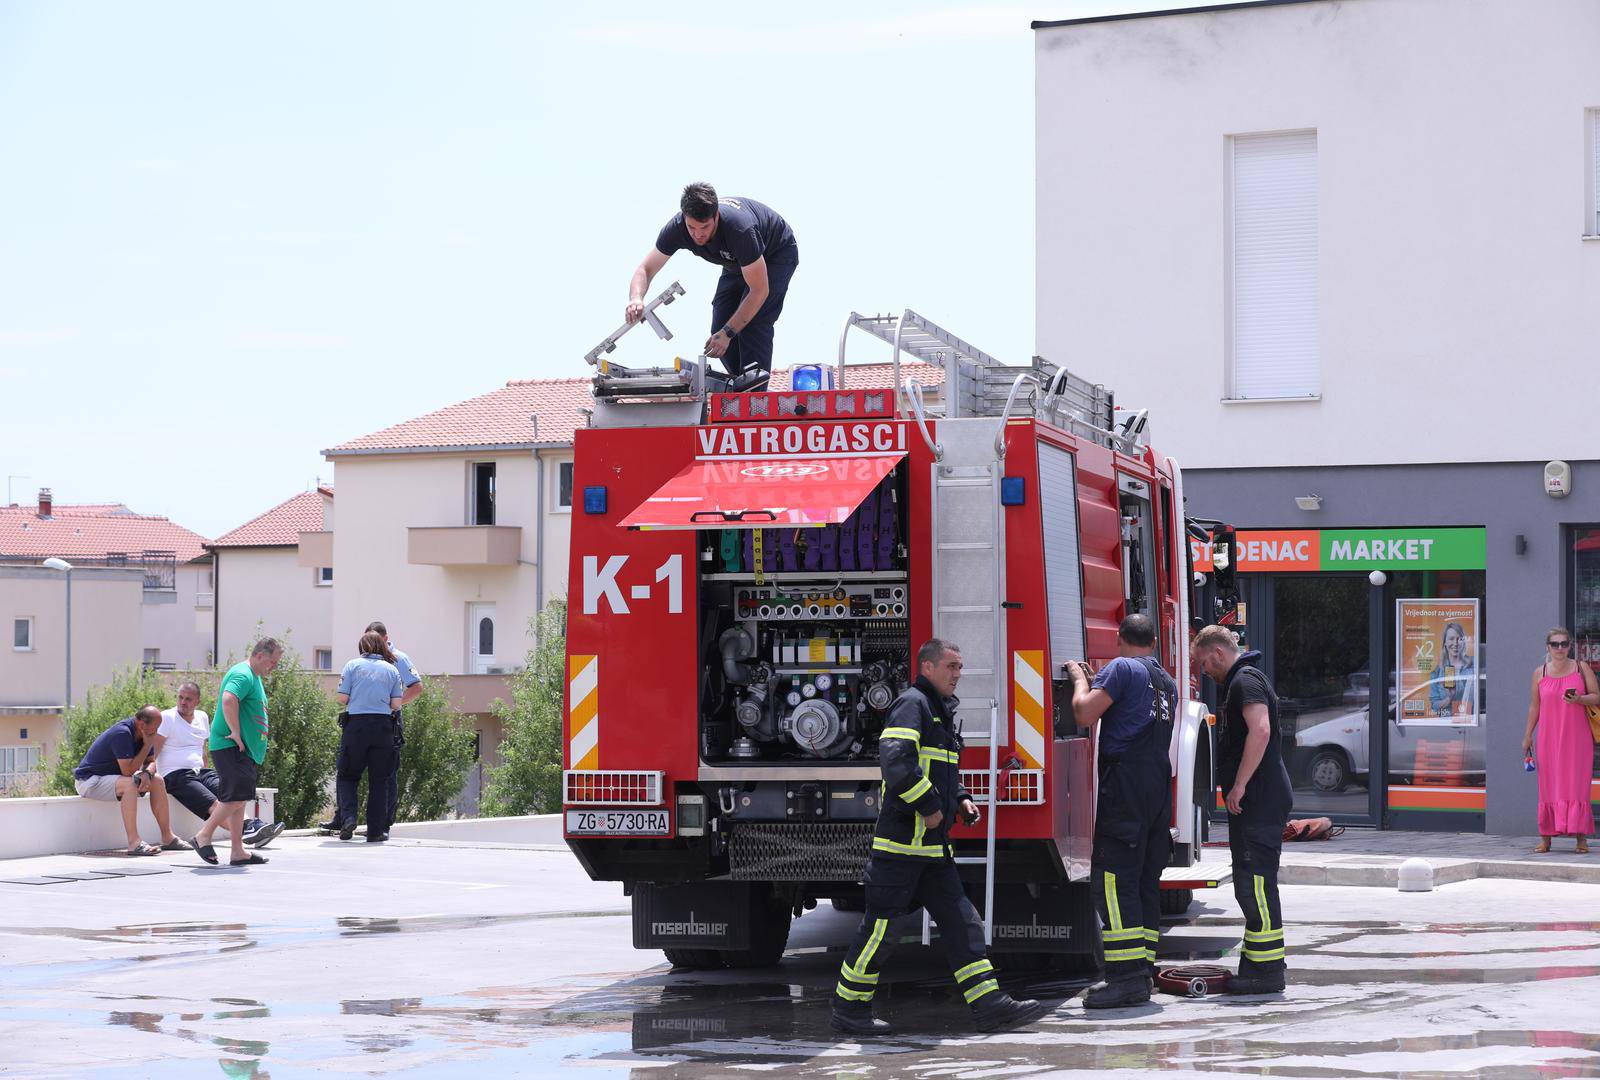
{"x":1268,"y":550}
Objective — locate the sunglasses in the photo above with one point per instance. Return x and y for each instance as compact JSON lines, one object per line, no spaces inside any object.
{"x":1562,"y":644}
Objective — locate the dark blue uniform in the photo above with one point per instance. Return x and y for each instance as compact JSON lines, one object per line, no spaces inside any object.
{"x":1132,"y":841}
{"x":746,"y":231}
{"x":1255,"y":836}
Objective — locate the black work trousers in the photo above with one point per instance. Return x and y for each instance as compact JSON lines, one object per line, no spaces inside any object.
{"x":752,"y":346}
{"x":344,"y":803}
{"x":1256,"y":842}
{"x":897,"y":887}
{"x":367,"y":747}
{"x":1132,"y":845}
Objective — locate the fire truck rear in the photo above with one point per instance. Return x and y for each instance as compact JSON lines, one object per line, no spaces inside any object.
{"x":751,"y":573}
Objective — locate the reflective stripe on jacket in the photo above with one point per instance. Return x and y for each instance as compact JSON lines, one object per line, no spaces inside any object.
{"x":919,"y":751}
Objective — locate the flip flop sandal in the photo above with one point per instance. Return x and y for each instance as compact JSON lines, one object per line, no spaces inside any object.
{"x":253,"y":860}
{"x":205,"y":851}
{"x":142,"y":848}
{"x":175,"y":845}
{"x":1542,"y":848}
{"x":1582,"y":848}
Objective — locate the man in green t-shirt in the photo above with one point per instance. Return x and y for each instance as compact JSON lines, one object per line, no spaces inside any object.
{"x":238,"y":745}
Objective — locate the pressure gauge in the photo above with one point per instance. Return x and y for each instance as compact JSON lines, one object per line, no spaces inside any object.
{"x":808,"y":690}
{"x":824,"y":682}
{"x":794,"y":698}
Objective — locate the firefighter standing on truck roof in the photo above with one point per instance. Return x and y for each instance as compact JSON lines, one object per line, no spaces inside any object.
{"x":1259,"y":797}
{"x":1132,"y":700}
{"x":755,"y":248}
{"x":911,"y":866}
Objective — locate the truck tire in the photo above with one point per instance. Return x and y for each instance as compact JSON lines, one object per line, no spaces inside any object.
{"x":850,"y":903}
{"x":695,"y":959}
{"x":769,"y":936}
{"x":1176,"y":901}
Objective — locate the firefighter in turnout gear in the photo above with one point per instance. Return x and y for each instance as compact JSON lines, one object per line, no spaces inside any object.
{"x":911,"y":865}
{"x":1132,"y":699}
{"x":1259,"y":797}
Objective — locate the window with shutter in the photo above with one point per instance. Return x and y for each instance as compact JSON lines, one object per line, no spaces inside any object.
{"x":1272,"y":230}
{"x":1593,"y":228}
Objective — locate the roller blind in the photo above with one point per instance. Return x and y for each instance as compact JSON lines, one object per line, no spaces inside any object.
{"x":1275,"y":325}
{"x":1058,"y":503}
{"x":1594,"y":172}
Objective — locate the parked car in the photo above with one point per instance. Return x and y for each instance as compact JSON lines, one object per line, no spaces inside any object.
{"x":1331,"y":754}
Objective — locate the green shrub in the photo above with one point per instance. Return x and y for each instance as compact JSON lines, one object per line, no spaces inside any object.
{"x":129,"y":690}
{"x":528,"y":778}
{"x":437,"y":754}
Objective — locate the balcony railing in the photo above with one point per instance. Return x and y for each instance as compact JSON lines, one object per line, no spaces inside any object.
{"x":160,"y":567}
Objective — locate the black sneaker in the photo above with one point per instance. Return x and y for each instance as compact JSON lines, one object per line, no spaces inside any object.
{"x":264,"y":835}
{"x":855,"y":1018}
{"x":347,"y":830}
{"x":1270,"y":983}
{"x":1130,"y":990}
{"x":377,"y":838}
{"x":1000,"y":1012}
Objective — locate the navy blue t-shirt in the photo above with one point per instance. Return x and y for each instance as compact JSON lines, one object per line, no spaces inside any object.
{"x":746,"y":231}
{"x":1128,"y":718}
{"x":120,"y":740}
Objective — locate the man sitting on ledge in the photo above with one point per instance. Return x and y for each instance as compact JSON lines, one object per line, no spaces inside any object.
{"x":120,"y":763}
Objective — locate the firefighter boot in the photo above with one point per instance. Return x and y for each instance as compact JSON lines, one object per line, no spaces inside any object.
{"x":855,"y":1018}
{"x":1129,"y":990}
{"x":999,"y":1011}
{"x":1261,"y":982}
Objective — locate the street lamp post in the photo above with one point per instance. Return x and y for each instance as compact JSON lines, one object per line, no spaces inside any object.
{"x":63,"y":566}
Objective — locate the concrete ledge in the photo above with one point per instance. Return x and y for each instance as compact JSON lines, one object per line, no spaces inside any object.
{"x":541,"y":829}
{"x":67,"y":824}
{"x":1384,"y":871}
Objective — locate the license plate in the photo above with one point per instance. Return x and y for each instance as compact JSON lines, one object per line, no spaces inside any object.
{"x":618,"y":823}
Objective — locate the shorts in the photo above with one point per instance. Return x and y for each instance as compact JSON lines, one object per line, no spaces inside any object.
{"x":99,"y":788}
{"x":236,"y":775}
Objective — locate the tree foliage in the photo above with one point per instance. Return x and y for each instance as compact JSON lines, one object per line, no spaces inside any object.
{"x":528,"y":778}
{"x":437,"y":754}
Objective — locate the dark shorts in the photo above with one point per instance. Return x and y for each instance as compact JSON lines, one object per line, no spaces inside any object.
{"x":236,"y":775}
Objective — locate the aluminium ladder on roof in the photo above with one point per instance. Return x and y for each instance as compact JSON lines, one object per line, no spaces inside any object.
{"x":976,"y":384}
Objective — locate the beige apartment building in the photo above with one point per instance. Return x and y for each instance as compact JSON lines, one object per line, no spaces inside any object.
{"x":107,"y":609}
{"x":275,"y":576}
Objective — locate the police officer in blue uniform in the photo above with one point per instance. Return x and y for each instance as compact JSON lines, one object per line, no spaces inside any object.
{"x":344,"y":809}
{"x":1132,"y":699}
{"x":911,"y":865}
{"x":756,"y":250}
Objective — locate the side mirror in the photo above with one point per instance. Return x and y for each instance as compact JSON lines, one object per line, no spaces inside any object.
{"x":1223,"y":562}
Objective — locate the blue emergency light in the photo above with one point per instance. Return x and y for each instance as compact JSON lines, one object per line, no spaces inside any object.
{"x":811,"y":377}
{"x":594,"y":499}
{"x":1013,"y":491}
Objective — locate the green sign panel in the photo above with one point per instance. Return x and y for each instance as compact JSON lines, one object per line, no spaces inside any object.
{"x":1402,"y":549}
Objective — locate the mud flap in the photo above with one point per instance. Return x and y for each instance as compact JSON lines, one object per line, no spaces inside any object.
{"x":701,"y":915}
{"x":1047,"y":918}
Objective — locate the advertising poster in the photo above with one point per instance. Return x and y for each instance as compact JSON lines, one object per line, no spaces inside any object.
{"x":1437,"y":654}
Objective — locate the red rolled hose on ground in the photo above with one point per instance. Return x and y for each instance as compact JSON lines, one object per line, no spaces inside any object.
{"x":1192,"y":980}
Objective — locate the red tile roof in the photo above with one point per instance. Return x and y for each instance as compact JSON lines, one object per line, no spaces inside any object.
{"x":499,"y":418}
{"x":282,"y":525}
{"x":873,"y":376}
{"x":502,"y":417}
{"x":90,"y":531}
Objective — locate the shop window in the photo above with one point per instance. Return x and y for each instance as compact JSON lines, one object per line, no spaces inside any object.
{"x":1586,"y":594}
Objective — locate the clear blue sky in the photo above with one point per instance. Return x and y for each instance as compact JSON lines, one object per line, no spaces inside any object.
{"x":237,"y":234}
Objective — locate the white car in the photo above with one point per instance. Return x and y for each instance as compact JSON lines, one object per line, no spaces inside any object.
{"x":1330,"y":753}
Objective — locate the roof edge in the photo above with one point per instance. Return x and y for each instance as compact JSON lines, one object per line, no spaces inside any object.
{"x":1236,"y":5}
{"x":469,"y":448}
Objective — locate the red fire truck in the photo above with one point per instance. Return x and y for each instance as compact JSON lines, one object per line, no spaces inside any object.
{"x":751,"y":573}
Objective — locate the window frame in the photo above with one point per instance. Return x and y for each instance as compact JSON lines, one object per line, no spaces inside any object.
{"x":28,"y":621}
{"x":1591,"y":185}
{"x":1230,"y":386}
{"x":556,"y":505}
{"x":320,"y":581}
{"x":473,"y":506}
{"x":317,"y":653}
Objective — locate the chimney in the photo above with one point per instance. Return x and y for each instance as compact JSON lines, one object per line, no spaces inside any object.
{"x":44,"y":502}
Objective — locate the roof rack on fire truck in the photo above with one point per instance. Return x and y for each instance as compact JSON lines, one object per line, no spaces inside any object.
{"x":976,"y":384}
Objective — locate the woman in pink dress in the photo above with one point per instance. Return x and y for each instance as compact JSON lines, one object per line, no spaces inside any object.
{"x":1561,"y":689}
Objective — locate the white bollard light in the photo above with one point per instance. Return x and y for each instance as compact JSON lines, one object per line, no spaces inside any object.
{"x":1416,"y":875}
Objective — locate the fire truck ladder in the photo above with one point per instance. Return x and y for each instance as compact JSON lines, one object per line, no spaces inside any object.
{"x":976,"y":384}
{"x":968,"y":587}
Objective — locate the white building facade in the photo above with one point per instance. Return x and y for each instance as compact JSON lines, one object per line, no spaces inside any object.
{"x":1347,"y":253}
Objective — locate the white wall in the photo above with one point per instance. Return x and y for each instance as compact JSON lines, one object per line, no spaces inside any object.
{"x":106,"y":607}
{"x":175,"y":623}
{"x":269,"y":587}
{"x":1452,"y":183}
{"x":425,"y":607}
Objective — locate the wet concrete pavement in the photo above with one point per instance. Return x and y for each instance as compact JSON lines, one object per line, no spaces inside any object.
{"x":425,"y":959}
